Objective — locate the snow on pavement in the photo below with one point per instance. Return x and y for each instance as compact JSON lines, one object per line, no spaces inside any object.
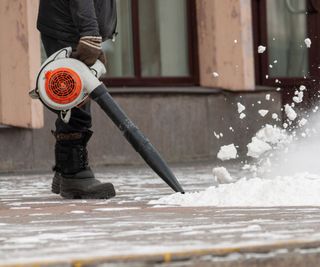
{"x":300,"y":190}
{"x":55,"y":229}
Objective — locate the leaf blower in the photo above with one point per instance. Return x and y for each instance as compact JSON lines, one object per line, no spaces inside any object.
{"x":64,"y":83}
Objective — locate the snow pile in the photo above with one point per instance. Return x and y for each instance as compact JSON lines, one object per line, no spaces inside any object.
{"x":227,"y":152}
{"x":299,"y":190}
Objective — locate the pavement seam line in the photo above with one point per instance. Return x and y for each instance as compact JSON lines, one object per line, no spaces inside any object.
{"x":290,"y":244}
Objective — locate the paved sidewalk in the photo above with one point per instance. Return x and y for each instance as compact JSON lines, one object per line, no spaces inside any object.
{"x":40,"y":229}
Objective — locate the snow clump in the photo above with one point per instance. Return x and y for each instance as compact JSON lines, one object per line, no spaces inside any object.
{"x":302,"y":88}
{"x":241,"y":107}
{"x":242,"y":116}
{"x":272,"y":134}
{"x":222,"y":176}
{"x":215,"y":74}
{"x":257,"y":147}
{"x":261,"y":49}
{"x":303,"y":122}
{"x":216,"y":135}
{"x":263,"y":112}
{"x":275,"y":116}
{"x":307,"y":41}
{"x":291,"y":114}
{"x":268,"y":97}
{"x":227,"y":152}
{"x":298,"y":98}
{"x":265,"y":139}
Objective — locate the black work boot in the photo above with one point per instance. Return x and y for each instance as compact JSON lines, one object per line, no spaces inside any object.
{"x":73,"y":177}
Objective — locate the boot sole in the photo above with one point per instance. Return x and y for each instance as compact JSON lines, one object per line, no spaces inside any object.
{"x":105,"y":192}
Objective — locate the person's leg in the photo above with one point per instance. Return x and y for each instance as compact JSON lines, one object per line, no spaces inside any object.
{"x":73,"y":177}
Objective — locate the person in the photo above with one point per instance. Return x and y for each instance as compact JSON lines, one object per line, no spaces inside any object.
{"x":83,"y":25}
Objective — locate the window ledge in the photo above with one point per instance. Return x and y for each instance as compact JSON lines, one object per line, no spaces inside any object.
{"x":184,"y":90}
{"x":163,"y":90}
{"x":257,"y":90}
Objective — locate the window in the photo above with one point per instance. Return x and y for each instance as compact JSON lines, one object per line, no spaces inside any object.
{"x":287,"y":30}
{"x":155,"y":45}
{"x":282,"y":26}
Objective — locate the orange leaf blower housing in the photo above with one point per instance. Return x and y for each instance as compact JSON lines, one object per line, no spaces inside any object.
{"x":63,"y":85}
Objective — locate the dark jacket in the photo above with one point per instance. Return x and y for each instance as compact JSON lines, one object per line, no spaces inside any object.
{"x":69,"y":20}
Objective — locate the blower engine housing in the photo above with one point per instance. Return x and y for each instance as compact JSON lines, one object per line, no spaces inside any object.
{"x":64,"y":83}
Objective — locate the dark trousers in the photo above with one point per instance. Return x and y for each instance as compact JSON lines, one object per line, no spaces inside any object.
{"x":80,"y":120}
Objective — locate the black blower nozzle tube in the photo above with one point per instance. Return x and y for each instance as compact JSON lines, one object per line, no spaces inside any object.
{"x":134,"y":136}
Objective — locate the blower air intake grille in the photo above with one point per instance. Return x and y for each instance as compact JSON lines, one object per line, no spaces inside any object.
{"x":63,"y":85}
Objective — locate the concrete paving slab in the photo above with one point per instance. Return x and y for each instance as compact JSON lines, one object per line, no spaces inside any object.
{"x":38,"y":228}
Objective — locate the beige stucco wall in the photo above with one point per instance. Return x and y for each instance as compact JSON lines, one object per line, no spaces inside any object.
{"x":19,"y":63}
{"x":225,"y":44}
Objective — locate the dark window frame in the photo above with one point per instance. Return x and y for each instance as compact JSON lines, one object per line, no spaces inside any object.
{"x":259,"y":19}
{"x":137,"y":79}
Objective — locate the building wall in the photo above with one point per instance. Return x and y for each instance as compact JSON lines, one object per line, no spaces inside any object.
{"x":19,"y":63}
{"x":225,"y":41}
{"x":180,"y":125}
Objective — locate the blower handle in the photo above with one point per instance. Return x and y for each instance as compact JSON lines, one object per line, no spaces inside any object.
{"x":98,"y":69}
